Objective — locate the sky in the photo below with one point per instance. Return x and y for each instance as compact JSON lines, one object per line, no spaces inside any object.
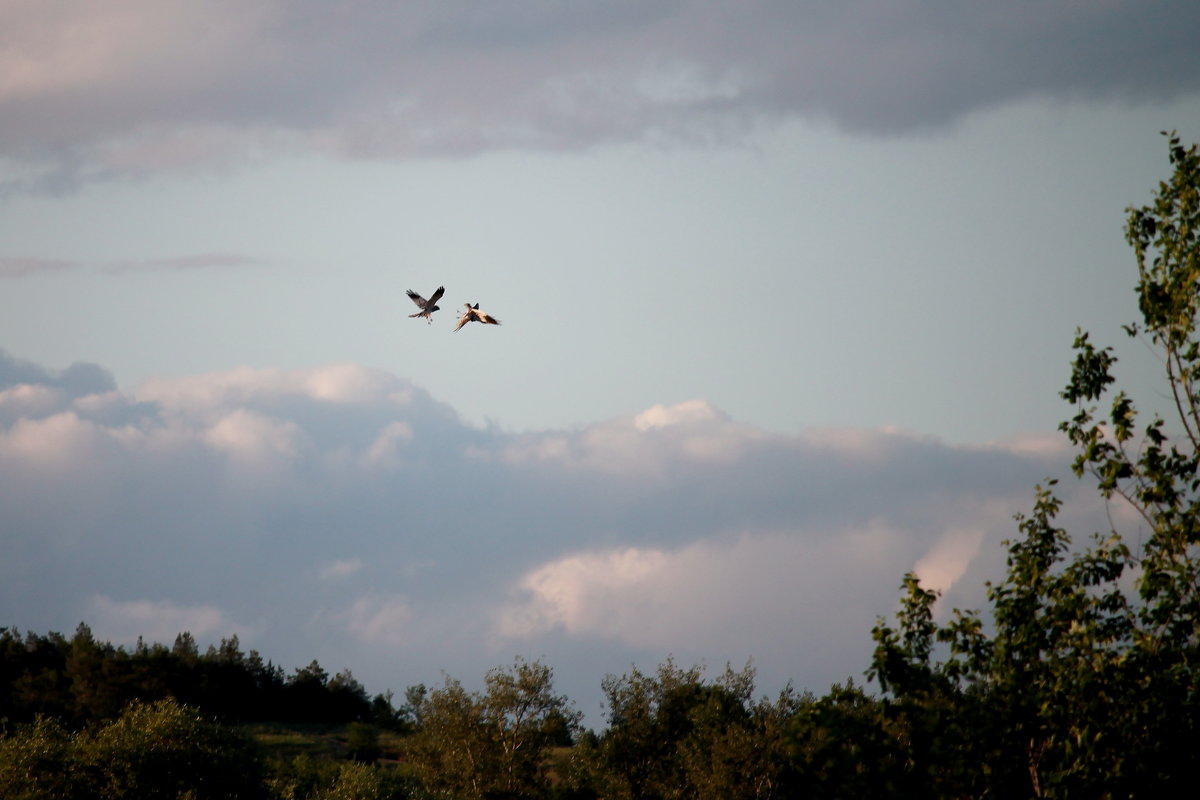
{"x":787,"y":294}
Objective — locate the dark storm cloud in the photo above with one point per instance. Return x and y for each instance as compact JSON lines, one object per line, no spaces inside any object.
{"x":90,"y":92}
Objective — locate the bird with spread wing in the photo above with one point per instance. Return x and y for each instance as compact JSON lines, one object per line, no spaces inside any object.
{"x":427,"y":306}
{"x":473,"y":314}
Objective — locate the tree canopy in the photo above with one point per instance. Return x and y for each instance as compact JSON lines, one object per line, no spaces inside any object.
{"x":1084,"y":680}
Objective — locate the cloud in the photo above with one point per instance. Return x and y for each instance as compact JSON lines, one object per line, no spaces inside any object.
{"x":340,"y":569}
{"x":658,"y":439}
{"x":660,"y":416}
{"x":386,"y":447}
{"x":943,"y":565}
{"x":717,"y":594}
{"x":13,"y":267}
{"x":349,"y":516}
{"x":379,"y":621}
{"x":60,"y":441}
{"x":87,"y":94}
{"x":25,"y":400}
{"x":182,"y":263}
{"x":254,"y":440}
{"x":338,"y":384}
{"x":78,"y":380}
{"x":704,"y":596}
{"x":156,"y":621}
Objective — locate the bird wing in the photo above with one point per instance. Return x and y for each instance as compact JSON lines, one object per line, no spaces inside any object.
{"x":437,"y":295}
{"x":416,"y":298}
{"x":483,"y":316}
{"x":463,"y":320}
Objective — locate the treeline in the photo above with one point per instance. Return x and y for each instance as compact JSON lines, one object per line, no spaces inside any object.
{"x":81,"y":680}
{"x":671,"y":733}
{"x":674,"y":734}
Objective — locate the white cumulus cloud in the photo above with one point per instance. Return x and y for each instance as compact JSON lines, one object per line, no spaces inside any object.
{"x":736,"y":591}
{"x":255,"y":438}
{"x":26,"y":400}
{"x":942,"y":566}
{"x":340,"y":569}
{"x":379,"y":620}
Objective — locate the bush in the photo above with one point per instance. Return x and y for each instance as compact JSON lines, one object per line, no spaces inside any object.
{"x":163,"y":750}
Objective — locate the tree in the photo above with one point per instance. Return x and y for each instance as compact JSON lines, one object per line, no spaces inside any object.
{"x":185,"y":648}
{"x":347,"y":697}
{"x":93,"y":695}
{"x":739,"y":748}
{"x":495,"y":744}
{"x":450,"y":751}
{"x":843,"y":745}
{"x":527,"y":719}
{"x":306,"y":695}
{"x":167,"y":750}
{"x":1087,"y":685}
{"x":82,"y":681}
{"x":674,"y":735}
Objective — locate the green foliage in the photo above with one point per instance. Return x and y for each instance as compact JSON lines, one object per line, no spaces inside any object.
{"x":1086,"y":685}
{"x":362,"y":739}
{"x":845,"y":745}
{"x":37,"y":762}
{"x":498,"y":743}
{"x":154,"y":751}
{"x":352,"y":782}
{"x":165,"y":751}
{"x":303,"y":778}
{"x":674,"y":735}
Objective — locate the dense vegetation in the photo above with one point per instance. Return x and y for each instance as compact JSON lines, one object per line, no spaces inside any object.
{"x":1081,"y":681}
{"x":79,"y":680}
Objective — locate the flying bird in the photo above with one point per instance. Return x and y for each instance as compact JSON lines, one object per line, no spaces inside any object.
{"x":427,"y":306}
{"x":473,"y":314}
